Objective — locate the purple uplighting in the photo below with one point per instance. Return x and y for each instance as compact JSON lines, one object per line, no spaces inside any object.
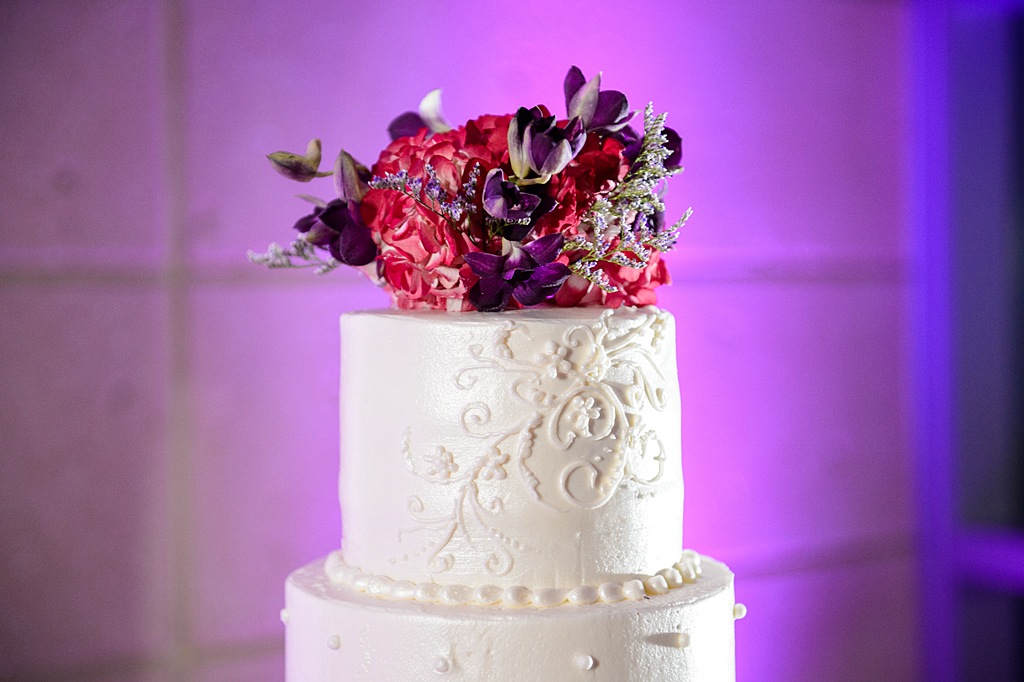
{"x":848,"y":301}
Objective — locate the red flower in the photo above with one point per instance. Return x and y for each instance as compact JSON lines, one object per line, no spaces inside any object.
{"x":636,"y":286}
{"x":483,"y":139}
{"x":422,"y":254}
{"x":490,"y":132}
{"x":598,"y":168}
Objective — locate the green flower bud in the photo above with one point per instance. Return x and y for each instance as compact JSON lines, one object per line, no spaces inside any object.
{"x":302,"y":168}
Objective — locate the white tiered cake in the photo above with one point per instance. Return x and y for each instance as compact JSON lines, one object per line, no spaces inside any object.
{"x":511,"y":497}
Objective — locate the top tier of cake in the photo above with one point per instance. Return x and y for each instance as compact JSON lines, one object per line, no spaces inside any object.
{"x":536,"y":448}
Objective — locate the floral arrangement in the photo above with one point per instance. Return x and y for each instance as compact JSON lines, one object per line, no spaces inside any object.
{"x":502,"y":212}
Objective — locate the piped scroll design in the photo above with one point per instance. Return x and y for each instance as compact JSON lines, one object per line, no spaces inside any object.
{"x":584,"y":396}
{"x":472,"y":512}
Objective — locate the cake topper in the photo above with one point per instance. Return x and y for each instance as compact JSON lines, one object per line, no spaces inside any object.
{"x":500,"y":213}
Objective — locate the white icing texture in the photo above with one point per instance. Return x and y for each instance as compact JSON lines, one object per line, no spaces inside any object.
{"x":686,"y":570}
{"x":537,"y":449}
{"x":685,"y":635}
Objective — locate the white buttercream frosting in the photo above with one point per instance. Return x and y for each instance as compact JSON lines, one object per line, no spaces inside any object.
{"x":492,"y":595}
{"x":511,"y":497}
{"x":536,"y":448}
{"x":685,"y":635}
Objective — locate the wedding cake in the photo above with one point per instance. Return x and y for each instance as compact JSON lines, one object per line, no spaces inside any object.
{"x":511,"y":499}
{"x":510,"y":479}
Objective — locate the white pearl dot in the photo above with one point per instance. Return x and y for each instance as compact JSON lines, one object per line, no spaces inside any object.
{"x":682,"y":640}
{"x":456,"y":594}
{"x":739,"y":611}
{"x":548,"y":596}
{"x":441,"y":665}
{"x":428,"y":592}
{"x":488,"y":594}
{"x":673,"y":577}
{"x":633,"y":589}
{"x":656,"y":584}
{"x":403,"y":590}
{"x":516,"y":595}
{"x":610,"y":592}
{"x":584,"y":594}
{"x":334,"y":642}
{"x":284,"y":616}
{"x":584,"y":662}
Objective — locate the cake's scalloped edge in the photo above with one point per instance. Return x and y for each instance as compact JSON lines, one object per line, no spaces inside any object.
{"x":686,"y":570}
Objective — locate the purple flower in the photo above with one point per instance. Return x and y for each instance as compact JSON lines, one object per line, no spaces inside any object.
{"x":632,"y":141}
{"x":519,"y":134}
{"x":527,"y":273}
{"x":598,"y":110}
{"x":537,"y":145}
{"x":504,"y":200}
{"x":338,"y":228}
{"x":430,"y":115}
{"x":405,"y":125}
{"x":349,"y":178}
{"x":674,"y":144}
{"x":655,"y":222}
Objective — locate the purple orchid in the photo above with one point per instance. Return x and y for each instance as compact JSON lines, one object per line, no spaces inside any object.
{"x":674,"y":144}
{"x":338,"y":227}
{"x":504,"y":200}
{"x":527,"y":273}
{"x":655,"y":222}
{"x":349,"y":178}
{"x":405,"y":125}
{"x":632,"y":141}
{"x":608,"y":110}
{"x":430,"y":115}
{"x":537,"y":145}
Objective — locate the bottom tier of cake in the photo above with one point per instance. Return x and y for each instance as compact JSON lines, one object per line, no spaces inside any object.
{"x":335,"y":633}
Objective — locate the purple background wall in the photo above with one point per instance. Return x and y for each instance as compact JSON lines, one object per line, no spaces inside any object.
{"x":168,"y":412}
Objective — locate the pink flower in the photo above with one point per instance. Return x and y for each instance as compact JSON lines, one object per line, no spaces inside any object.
{"x":481,"y":140}
{"x":636,"y":286}
{"x":422,"y":254}
{"x":477,"y":217}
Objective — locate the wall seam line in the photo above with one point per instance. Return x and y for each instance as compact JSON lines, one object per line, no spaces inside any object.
{"x":180,"y":424}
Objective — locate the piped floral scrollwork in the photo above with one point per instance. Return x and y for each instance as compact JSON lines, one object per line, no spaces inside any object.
{"x":472,"y":511}
{"x":584,"y":395}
